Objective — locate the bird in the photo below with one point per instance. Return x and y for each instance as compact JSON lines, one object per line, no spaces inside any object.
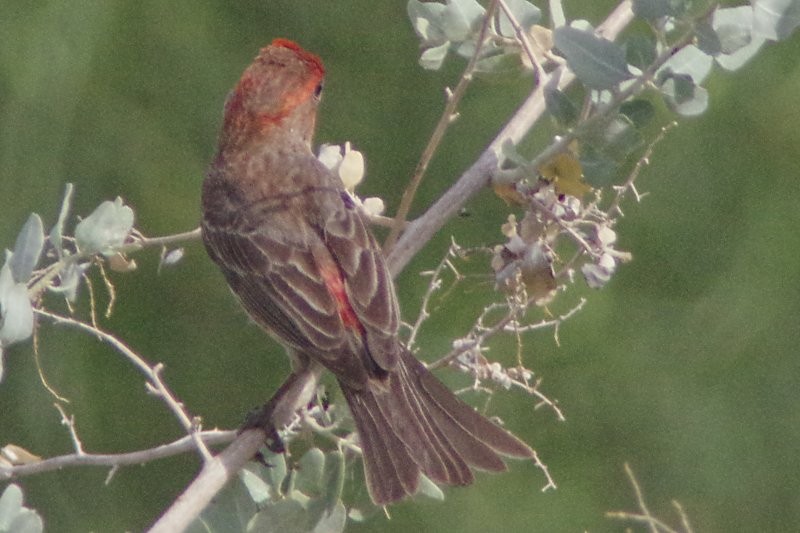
{"x":301,"y":259}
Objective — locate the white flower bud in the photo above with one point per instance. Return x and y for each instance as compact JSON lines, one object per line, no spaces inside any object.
{"x":330,"y":155}
{"x":373,"y":205}
{"x":351,"y":169}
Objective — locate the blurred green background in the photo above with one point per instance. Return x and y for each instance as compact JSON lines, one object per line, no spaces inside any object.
{"x":686,"y":366}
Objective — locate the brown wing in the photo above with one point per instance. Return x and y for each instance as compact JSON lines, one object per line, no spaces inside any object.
{"x":367,"y":280}
{"x":273,"y":254}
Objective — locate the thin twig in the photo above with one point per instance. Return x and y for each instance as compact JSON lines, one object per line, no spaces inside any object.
{"x":185,"y":444}
{"x":525,"y":42}
{"x":645,"y":517}
{"x":46,"y":277}
{"x":149,"y":242}
{"x":151,"y":372}
{"x":447,"y":118}
{"x":644,"y":160}
{"x":479,"y":175}
{"x":434,"y":285}
{"x":69,"y":421}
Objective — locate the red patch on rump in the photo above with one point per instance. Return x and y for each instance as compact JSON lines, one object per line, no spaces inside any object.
{"x":335,"y":284}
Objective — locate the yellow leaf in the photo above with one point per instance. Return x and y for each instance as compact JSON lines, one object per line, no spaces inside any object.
{"x":509,"y":194}
{"x":564,"y":171}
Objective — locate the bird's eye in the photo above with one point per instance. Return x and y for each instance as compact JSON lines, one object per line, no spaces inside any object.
{"x":318,"y":90}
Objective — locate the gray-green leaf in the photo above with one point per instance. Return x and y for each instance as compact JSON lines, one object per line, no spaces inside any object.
{"x":432,"y":58}
{"x":16,"y":313}
{"x":426,"y":20}
{"x":597,"y":62}
{"x":775,"y":19}
{"x":333,"y":521}
{"x":105,"y":229}
{"x":460,"y":18}
{"x":309,"y":471}
{"x":734,"y":25}
{"x":56,"y":233}
{"x":691,"y":61}
{"x":525,"y":13}
{"x":28,"y":249}
{"x":14,"y":517}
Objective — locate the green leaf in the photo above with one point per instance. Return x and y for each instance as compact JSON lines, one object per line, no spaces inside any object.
{"x":430,"y":489}
{"x":690,"y":61}
{"x":56,"y":233}
{"x":733,"y":38}
{"x":309,"y":471}
{"x":735,"y":25}
{"x":10,"y":505}
{"x":230,"y":511}
{"x":639,"y":111}
{"x":259,"y":490}
{"x":560,"y":107}
{"x":432,"y":58}
{"x":333,"y":521}
{"x":707,"y":39}
{"x":283,"y":516}
{"x":105,"y":229}
{"x":275,"y":471}
{"x":333,"y":479}
{"x":683,"y":96}
{"x":70,"y":280}
{"x":775,"y":19}
{"x":620,"y":137}
{"x":28,"y":249}
{"x":14,"y":517}
{"x":597,"y":62}
{"x":426,"y":20}
{"x":640,"y":51}
{"x":525,"y":13}
{"x":598,"y":169}
{"x":556,"y":10}
{"x":461,"y":18}
{"x":27,"y":521}
{"x":16,"y":313}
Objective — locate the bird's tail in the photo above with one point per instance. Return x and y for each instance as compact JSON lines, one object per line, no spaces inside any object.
{"x":417,"y":425}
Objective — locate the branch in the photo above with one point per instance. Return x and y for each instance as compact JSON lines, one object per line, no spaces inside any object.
{"x":153,"y":374}
{"x":212,"y":478}
{"x":180,"y":446}
{"x":293,"y":394}
{"x":447,"y":118}
{"x":478,"y":176}
{"x":645,"y":517}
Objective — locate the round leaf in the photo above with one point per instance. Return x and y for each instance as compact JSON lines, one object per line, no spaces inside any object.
{"x":432,"y":58}
{"x":525,"y":13}
{"x":10,"y":505}
{"x":460,"y":18}
{"x":105,"y":229}
{"x":28,"y":249}
{"x":597,"y":62}
{"x":640,"y":51}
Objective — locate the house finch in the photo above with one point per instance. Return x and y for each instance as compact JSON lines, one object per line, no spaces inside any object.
{"x":297,"y":253}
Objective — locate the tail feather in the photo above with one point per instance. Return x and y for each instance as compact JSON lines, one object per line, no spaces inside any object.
{"x":471,"y":422}
{"x":417,"y":425}
{"x":469,"y":444}
{"x":390,"y":471}
{"x":434,"y":452}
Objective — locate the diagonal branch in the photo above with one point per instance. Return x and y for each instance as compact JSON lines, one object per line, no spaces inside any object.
{"x":447,"y":118}
{"x":478,"y":176}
